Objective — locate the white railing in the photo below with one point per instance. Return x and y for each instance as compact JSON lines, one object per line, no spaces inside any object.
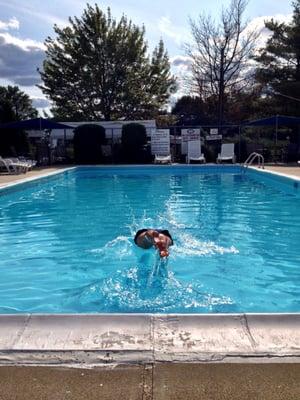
{"x":252,"y":157}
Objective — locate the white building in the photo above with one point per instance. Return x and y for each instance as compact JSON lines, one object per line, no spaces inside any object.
{"x":113,"y":129}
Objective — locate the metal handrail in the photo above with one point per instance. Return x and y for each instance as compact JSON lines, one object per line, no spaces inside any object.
{"x":252,"y":157}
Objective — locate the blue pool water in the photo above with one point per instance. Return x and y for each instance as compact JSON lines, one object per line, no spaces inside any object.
{"x":66,"y":243}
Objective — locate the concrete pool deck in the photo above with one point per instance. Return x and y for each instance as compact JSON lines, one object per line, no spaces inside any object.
{"x":157,"y":382}
{"x":7,"y":179}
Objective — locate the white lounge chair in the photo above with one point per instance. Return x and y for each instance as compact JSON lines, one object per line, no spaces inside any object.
{"x":227,"y":153}
{"x":27,"y":164}
{"x":31,"y":163}
{"x":194,"y":151}
{"x":162,"y":159}
{"x":12,"y":167}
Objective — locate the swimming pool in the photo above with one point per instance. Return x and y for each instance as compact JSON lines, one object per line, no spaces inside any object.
{"x":66,"y":242}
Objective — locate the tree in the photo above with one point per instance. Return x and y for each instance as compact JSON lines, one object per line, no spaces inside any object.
{"x":220,"y":54}
{"x":99,"y":68}
{"x":134,"y":139}
{"x":190,"y":110}
{"x":15,"y":105}
{"x":279,"y":69}
{"x":88,"y":140}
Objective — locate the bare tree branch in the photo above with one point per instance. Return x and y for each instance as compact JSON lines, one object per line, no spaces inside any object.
{"x":219,"y":53}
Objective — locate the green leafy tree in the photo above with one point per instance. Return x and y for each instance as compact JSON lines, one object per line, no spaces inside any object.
{"x":279,"y":70}
{"x":98,"y":68}
{"x":15,"y":105}
{"x":189,"y":109}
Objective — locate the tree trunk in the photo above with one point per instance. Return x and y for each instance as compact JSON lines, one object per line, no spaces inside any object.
{"x":221,"y":94}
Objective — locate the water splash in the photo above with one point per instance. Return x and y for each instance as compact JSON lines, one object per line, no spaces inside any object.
{"x":188,"y":245}
{"x":120,"y":247}
{"x":149,"y":286}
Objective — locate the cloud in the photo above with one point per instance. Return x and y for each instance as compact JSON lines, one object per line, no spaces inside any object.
{"x":13,"y":23}
{"x":19,"y":59}
{"x":181,"y":61}
{"x":258,"y":24}
{"x":24,"y":44}
{"x":178,"y":35}
{"x":30,"y":11}
{"x":40,"y":102}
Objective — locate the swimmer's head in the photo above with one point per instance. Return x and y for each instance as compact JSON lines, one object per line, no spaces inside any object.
{"x":144,"y":238}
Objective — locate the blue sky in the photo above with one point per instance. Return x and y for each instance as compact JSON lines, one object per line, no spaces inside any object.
{"x":24,"y":25}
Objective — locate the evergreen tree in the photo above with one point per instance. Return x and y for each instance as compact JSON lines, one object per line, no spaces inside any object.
{"x":98,"y":68}
{"x":279,"y":70}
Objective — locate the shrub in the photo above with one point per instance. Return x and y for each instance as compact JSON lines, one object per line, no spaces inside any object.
{"x":13,"y":143}
{"x":88,"y":140}
{"x":134,"y":140}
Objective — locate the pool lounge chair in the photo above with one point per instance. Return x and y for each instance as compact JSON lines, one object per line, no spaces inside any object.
{"x":194,"y":151}
{"x":29,"y":161}
{"x":25,"y":161}
{"x":162,"y":159}
{"x":12,"y":167}
{"x":227,"y":153}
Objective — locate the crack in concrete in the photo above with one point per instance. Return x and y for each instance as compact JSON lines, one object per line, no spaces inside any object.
{"x":148,"y":382}
{"x":21,"y":331}
{"x":246,"y":329}
{"x":152,"y":337}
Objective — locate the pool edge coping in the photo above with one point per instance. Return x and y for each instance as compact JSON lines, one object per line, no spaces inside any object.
{"x":34,"y":178}
{"x":89,"y":340}
{"x":276,"y":173}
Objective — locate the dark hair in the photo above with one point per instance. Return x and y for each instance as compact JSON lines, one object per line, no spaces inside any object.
{"x":138,"y":234}
{"x":163,"y":231}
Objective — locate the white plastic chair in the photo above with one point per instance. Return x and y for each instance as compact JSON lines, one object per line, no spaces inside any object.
{"x":31,"y":163}
{"x":194,"y":151}
{"x":12,"y":167}
{"x":227,"y":153}
{"x":26,"y":164}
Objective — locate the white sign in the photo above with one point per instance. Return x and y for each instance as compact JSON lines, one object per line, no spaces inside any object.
{"x":186,"y":136}
{"x":160,"y":142}
{"x":213,"y":131}
{"x":190,"y":134}
{"x":213,"y":137}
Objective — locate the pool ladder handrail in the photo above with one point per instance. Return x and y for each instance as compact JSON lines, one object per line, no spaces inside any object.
{"x":252,"y":157}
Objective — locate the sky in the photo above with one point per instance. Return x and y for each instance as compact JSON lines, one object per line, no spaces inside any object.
{"x":25,"y":24}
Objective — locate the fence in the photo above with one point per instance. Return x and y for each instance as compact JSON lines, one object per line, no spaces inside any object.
{"x":285,"y":147}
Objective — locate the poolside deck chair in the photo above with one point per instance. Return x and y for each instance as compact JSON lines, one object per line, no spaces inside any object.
{"x":28,"y":161}
{"x":227,"y":153}
{"x":162,"y":159}
{"x":12,"y":167}
{"x":194,"y":151}
{"x":27,"y":164}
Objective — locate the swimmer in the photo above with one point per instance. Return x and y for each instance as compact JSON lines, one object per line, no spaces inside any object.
{"x":159,"y":238}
